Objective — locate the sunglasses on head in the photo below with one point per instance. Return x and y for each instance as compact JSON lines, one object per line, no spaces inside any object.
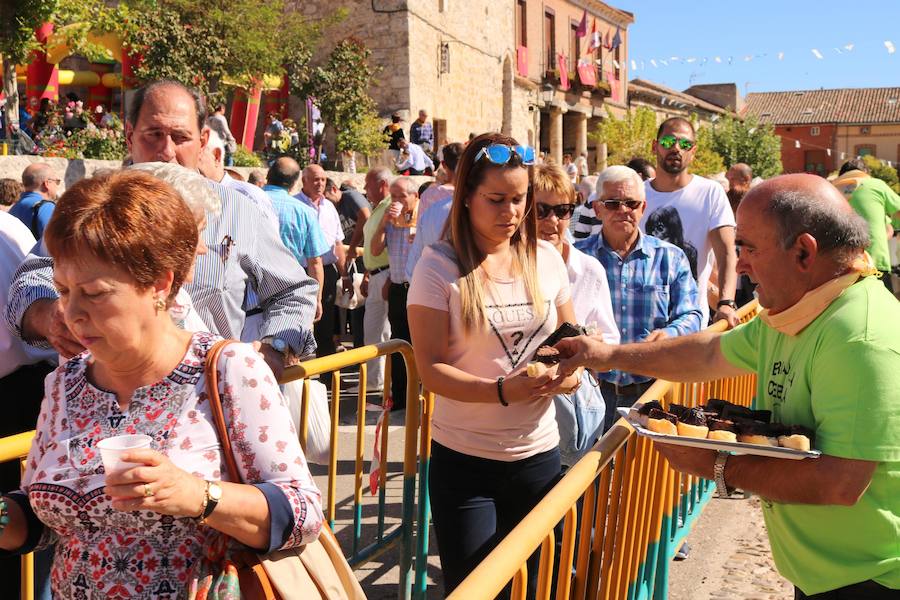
{"x":667,"y":141}
{"x":615,"y":203}
{"x":501,"y":154}
{"x":562,"y":211}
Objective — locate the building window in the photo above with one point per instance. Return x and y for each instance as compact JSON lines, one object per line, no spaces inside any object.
{"x":574,"y":45}
{"x":865,"y":150}
{"x":814,"y":131}
{"x":442,"y":5}
{"x":521,"y":23}
{"x":549,"y":39}
{"x":618,"y":63}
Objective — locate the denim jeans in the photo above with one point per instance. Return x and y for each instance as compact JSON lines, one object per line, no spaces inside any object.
{"x":476,"y":502}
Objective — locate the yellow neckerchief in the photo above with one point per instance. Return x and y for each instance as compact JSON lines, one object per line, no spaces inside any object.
{"x":401,"y":222}
{"x":791,"y":321}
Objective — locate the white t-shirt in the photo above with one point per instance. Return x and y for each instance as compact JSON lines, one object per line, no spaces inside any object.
{"x":685,"y":218}
{"x":491,"y":430}
{"x":572,"y":172}
{"x":16,"y":242}
{"x":591,"y":298}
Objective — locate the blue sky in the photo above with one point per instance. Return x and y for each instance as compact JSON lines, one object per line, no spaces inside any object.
{"x":761,"y":29}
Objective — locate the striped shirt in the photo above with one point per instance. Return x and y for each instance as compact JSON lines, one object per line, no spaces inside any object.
{"x":652,"y":288}
{"x":584,"y":222}
{"x":245,"y":255}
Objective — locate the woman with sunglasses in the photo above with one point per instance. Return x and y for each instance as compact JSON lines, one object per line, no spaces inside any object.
{"x":580,"y":416}
{"x":480,"y":303}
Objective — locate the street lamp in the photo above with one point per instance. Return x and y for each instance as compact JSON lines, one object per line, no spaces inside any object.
{"x":548,"y":93}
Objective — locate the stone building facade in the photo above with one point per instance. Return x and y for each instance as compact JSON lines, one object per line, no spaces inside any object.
{"x":482,"y":65}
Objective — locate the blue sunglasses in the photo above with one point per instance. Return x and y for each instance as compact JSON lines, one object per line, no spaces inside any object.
{"x":501,"y":154}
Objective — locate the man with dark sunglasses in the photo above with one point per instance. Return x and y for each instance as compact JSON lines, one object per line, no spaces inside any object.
{"x":693,"y":213}
{"x":654,"y":295}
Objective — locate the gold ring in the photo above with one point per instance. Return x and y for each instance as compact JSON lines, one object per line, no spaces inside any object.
{"x":147,"y":491}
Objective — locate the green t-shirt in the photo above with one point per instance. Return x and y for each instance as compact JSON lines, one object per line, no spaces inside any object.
{"x":371,"y":261}
{"x":840,"y":377}
{"x":876,"y":202}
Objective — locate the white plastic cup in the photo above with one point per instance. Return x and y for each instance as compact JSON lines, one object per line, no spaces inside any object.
{"x":111,"y":449}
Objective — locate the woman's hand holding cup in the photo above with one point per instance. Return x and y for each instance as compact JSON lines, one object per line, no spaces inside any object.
{"x":156,"y":484}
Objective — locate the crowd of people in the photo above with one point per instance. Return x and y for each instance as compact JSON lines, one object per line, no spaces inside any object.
{"x":115,"y":290}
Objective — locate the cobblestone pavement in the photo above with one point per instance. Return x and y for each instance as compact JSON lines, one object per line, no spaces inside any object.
{"x":730,"y":557}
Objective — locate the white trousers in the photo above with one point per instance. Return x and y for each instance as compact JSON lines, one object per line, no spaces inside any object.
{"x":376,"y":328}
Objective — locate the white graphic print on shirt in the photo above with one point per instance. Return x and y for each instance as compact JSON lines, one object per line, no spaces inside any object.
{"x":516,"y":328}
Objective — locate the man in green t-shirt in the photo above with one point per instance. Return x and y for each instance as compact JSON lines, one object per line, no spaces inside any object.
{"x":877,"y":203}
{"x":827,"y":356}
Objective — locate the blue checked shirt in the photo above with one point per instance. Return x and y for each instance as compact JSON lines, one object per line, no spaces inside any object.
{"x":652,"y":288}
{"x":245,"y":256}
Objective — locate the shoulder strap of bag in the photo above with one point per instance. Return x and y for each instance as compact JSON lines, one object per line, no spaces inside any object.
{"x":215,"y":405}
{"x":35,"y":210}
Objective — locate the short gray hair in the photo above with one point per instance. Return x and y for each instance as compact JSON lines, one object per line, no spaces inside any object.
{"x":193,"y":187}
{"x":382,"y":174}
{"x":835,"y":228}
{"x":620,"y":174}
{"x":408,"y":183}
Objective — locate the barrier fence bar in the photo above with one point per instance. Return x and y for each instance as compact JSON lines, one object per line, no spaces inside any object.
{"x":634,"y":512}
{"x":413,"y":542}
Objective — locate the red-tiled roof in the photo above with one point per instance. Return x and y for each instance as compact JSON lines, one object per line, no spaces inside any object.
{"x":651,"y":88}
{"x":841,"y":106}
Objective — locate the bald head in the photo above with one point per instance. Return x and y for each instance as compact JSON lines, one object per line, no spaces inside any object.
{"x":803,"y":203}
{"x":284,"y":173}
{"x":41,"y":178}
{"x":314,"y":179}
{"x":740,"y":172}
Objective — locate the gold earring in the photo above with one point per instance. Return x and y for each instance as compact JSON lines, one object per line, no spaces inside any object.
{"x":160,"y":304}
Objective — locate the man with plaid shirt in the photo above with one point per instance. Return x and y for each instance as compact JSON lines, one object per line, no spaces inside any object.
{"x":654,"y":294}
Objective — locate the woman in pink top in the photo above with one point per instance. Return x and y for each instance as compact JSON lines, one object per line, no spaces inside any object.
{"x":480,"y":302}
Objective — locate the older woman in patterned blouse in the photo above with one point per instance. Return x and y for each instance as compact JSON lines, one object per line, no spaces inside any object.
{"x":122,"y":245}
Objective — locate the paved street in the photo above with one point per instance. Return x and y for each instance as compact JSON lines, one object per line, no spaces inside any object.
{"x":730,"y":557}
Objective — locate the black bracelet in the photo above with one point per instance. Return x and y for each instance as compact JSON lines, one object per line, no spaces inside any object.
{"x":500,"y":391}
{"x":730,"y":303}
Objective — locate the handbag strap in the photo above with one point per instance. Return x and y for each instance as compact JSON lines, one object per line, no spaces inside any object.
{"x":215,"y":405}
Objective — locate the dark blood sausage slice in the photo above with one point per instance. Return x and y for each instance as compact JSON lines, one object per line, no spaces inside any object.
{"x":646,"y":407}
{"x":720,"y":425}
{"x":655,"y":413}
{"x":693,"y":416}
{"x":547,"y":355}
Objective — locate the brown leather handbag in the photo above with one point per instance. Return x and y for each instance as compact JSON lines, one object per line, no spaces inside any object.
{"x":312,"y":571}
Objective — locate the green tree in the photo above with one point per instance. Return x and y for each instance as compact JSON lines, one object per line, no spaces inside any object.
{"x":341,"y":91}
{"x":882,"y":171}
{"x":212,"y":44}
{"x":628,"y":137}
{"x":17,"y":24}
{"x":750,"y":142}
{"x":706,"y":160}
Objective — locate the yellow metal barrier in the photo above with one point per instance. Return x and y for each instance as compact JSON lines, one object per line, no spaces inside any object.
{"x":634,"y":511}
{"x":417,"y":435}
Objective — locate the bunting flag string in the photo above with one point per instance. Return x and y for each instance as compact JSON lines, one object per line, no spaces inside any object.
{"x":637,"y":64}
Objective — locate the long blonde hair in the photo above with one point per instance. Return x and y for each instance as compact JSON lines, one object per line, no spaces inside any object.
{"x":459,"y":232}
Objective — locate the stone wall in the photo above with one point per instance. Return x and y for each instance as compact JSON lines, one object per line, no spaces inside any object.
{"x":385,"y":33}
{"x":477,"y":36}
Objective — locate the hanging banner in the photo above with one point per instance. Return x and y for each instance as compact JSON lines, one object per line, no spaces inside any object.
{"x":587,"y":74}
{"x":563,"y":71}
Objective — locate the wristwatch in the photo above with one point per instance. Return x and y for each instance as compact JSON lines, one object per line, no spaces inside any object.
{"x":730,"y":303}
{"x":722,"y":489}
{"x":210,"y":500}
{"x":278,"y":344}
